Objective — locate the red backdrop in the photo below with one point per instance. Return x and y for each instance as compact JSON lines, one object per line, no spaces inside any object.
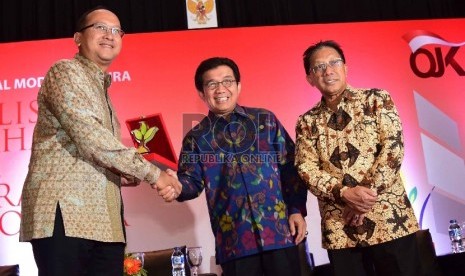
{"x":154,"y":74}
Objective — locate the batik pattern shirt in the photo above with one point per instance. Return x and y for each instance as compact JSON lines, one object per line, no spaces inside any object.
{"x":359,"y":144}
{"x":245,"y":163}
{"x":77,"y":158}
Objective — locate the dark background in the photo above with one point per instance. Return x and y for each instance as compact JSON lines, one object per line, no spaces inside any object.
{"x":22,"y":20}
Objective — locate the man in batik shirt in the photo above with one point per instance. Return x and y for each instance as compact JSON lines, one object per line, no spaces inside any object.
{"x":72,"y":210}
{"x":349,"y":150}
{"x":244,"y":159}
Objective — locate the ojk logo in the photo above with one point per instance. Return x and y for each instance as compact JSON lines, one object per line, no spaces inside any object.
{"x":435,"y":63}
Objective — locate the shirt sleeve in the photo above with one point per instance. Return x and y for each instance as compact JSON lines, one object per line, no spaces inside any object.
{"x":390,"y":152}
{"x":73,"y":102}
{"x":293,"y":188}
{"x":189,"y":170}
{"x":319,"y":182}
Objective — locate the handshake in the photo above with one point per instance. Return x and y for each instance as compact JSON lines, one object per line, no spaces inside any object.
{"x":168,"y":185}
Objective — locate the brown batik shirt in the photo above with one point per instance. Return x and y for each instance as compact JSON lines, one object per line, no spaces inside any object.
{"x":360,"y":144}
{"x":77,"y":158}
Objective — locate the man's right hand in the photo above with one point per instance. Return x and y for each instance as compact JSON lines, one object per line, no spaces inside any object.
{"x":168,"y":186}
{"x":360,"y":198}
{"x":352,"y":217}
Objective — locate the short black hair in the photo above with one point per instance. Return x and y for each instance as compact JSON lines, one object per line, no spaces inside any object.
{"x":82,"y":21}
{"x":212,"y":63}
{"x":317,"y":46}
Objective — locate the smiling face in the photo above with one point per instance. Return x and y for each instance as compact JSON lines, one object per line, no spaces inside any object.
{"x":220,"y":100}
{"x":102,"y":47}
{"x":331,"y":81}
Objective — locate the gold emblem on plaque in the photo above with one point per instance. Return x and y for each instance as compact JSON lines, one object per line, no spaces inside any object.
{"x":143,"y":135}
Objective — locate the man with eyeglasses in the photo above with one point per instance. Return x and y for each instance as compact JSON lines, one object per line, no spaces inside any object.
{"x":349,"y":150}
{"x":72,"y":210}
{"x":244,"y":160}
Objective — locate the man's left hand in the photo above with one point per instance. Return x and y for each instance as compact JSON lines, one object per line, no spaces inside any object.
{"x":129,"y":181}
{"x":298,"y":227}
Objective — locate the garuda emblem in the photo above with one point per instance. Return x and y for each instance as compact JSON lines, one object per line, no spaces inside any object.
{"x":200,"y":9}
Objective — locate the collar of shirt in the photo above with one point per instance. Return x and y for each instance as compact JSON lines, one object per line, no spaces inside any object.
{"x":348,"y":95}
{"x":238,"y":110}
{"x":105,"y":77}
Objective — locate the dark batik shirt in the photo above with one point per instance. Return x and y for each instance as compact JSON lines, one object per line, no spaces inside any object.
{"x":245,"y":164}
{"x":359,"y":144}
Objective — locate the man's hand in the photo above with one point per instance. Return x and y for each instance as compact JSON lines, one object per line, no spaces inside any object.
{"x":178,"y":188}
{"x":359,"y":198}
{"x":352,"y":217}
{"x":298,"y":227}
{"x":129,"y":181}
{"x":168,"y":186}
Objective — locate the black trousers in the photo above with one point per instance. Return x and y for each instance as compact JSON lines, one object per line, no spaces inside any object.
{"x":280,"y":262}
{"x":399,"y":257}
{"x":60,"y":255}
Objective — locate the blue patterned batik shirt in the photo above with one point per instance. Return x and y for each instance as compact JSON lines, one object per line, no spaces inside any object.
{"x":244,"y":161}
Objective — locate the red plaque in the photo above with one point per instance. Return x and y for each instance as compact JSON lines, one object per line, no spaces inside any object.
{"x":151,"y":139}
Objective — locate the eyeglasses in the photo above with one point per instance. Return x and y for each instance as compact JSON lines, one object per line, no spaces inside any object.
{"x":104,"y":29}
{"x":215,"y":84}
{"x":320,"y":68}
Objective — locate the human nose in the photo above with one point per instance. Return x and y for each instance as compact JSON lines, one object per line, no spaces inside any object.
{"x":326,"y":67}
{"x":221,"y":86}
{"x":109,"y":34}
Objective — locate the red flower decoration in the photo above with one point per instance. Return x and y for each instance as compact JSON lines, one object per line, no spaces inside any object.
{"x":133,"y":266}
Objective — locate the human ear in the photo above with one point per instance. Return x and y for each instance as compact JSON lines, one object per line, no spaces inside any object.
{"x":201,"y":95}
{"x":77,"y":38}
{"x":310,"y":80}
